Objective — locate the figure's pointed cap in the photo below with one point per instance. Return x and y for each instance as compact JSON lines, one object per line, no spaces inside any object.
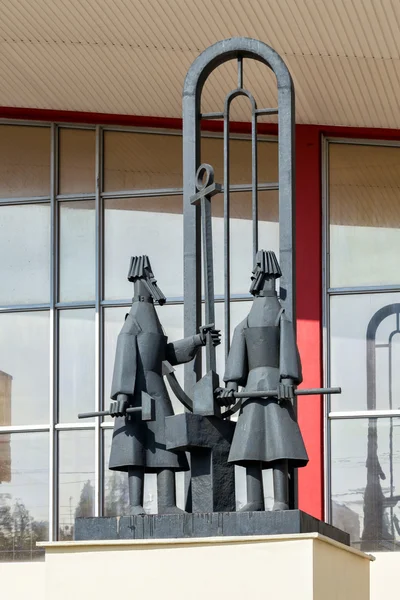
{"x":266,"y":266}
{"x":267,"y":263}
{"x":140,"y":268}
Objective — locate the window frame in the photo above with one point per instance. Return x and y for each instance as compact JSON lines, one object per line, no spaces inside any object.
{"x":327,"y":293}
{"x":54,"y":306}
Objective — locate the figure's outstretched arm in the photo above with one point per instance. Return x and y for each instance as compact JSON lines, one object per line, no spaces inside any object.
{"x":183,"y":351}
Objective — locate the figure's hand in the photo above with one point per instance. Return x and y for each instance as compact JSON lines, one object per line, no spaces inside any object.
{"x":119,"y":406}
{"x":215,"y":334}
{"x":286,"y":390}
{"x":224,"y":396}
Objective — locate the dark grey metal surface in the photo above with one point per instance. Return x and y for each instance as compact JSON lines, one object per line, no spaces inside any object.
{"x":204,"y":525}
{"x":208,"y":439}
{"x":202,"y":67}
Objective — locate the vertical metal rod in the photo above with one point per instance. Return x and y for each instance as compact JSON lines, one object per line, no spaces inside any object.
{"x":240,"y":72}
{"x":206,"y":236}
{"x":53,"y":392}
{"x":98,"y":479}
{"x":254,"y":178}
{"x":227,"y":241}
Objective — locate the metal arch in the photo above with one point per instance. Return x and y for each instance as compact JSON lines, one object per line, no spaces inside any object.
{"x":202,"y":67}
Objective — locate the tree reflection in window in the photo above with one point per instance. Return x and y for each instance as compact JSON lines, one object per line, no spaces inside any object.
{"x":381,"y":525}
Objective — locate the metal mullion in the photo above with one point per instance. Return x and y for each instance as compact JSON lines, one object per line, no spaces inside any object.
{"x":75,"y":305}
{"x":24,"y":428}
{"x":24,"y":308}
{"x":143,"y":193}
{"x":26,"y":122}
{"x":98,"y":507}
{"x":363,"y":414}
{"x":368,"y":289}
{"x":326,"y":327}
{"x":107,"y":425}
{"x":219,"y":298}
{"x":364,"y":142}
{"x":25,"y":200}
{"x":74,"y":426}
{"x":75,"y":197}
{"x":53,"y":454}
{"x":86,"y":126}
{"x":144,"y":130}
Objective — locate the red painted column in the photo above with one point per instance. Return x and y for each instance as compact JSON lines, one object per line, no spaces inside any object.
{"x":309,"y":313}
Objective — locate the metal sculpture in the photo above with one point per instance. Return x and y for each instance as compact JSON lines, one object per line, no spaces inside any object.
{"x":264,"y":356}
{"x":139,"y":440}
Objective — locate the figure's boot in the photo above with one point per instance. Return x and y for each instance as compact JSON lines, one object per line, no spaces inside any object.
{"x":281,"y":485}
{"x":255,"y":492}
{"x":166,"y":493}
{"x":135,"y":483}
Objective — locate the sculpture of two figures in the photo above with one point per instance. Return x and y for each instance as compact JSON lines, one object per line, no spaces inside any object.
{"x":263,"y":356}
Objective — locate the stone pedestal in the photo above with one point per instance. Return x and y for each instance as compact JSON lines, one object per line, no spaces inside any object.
{"x":305,"y":566}
{"x":198,"y":525}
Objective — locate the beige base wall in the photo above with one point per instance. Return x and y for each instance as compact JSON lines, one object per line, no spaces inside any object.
{"x":23,"y":581}
{"x":304,"y":567}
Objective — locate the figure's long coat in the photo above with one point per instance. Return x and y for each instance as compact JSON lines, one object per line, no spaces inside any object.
{"x":259,"y":358}
{"x":141,"y":349}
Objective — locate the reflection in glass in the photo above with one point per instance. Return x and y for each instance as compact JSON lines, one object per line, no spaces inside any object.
{"x":241,"y":228}
{"x":365,"y":351}
{"x":141,"y":161}
{"x":24,"y":363}
{"x":116,"y":493}
{"x":24,"y":495}
{"x":365,"y":481}
{"x":76,"y":363}
{"x":77,"y":250}
{"x":76,"y":479}
{"x":212,"y":152}
{"x":152,"y":226}
{"x":24,"y":161}
{"x":25,"y":254}
{"x":364,"y":183}
{"x":77,"y":149}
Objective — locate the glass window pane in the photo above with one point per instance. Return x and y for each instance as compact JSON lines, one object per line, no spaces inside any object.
{"x":141,"y":161}
{"x":365,"y":481}
{"x":76,"y":363}
{"x":135,"y":226}
{"x":25,"y":254}
{"x":364,"y":184}
{"x":241,"y":227}
{"x":116,"y":493}
{"x":366,"y":372}
{"x":76,"y":479}
{"x":212,"y":152}
{"x":24,"y":363}
{"x":77,"y":148}
{"x":24,"y":161}
{"x":77,"y":250}
{"x":24,"y":495}
{"x":171,"y":318}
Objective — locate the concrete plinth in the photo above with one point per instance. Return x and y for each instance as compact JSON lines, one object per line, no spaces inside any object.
{"x":285,"y":567}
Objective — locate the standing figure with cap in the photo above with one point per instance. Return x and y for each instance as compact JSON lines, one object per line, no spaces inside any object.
{"x":264,"y":356}
{"x":139,"y":445}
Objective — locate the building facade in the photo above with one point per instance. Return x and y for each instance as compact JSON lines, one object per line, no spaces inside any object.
{"x":88,"y":179}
